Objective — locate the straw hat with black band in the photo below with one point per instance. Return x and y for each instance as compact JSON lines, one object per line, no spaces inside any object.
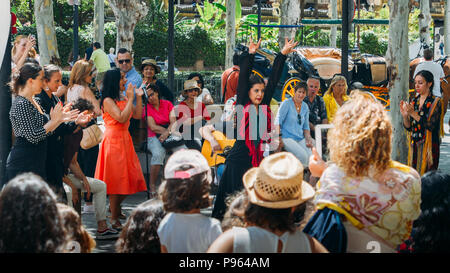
{"x":190,"y":84}
{"x":278,"y":182}
{"x":151,"y":62}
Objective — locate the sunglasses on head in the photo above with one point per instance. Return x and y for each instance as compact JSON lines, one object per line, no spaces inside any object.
{"x":126,"y":61}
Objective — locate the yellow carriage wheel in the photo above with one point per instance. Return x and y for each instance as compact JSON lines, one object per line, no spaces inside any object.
{"x":257,"y":73}
{"x":288,"y":88}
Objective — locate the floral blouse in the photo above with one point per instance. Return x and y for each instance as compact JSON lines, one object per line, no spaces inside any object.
{"x":386,"y":205}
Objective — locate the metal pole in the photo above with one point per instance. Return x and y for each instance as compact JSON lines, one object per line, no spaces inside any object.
{"x":75,"y":33}
{"x":359,"y":8}
{"x":259,"y":19}
{"x":344,"y":40}
{"x":5,"y":106}
{"x":171,"y":75}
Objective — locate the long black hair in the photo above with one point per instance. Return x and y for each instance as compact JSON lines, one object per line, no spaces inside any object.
{"x":430,"y":233}
{"x":111,"y":85}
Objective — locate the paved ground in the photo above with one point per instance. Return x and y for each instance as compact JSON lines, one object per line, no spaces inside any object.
{"x":107,"y":246}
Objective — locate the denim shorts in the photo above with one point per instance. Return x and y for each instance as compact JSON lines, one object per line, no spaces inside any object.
{"x":157,"y":150}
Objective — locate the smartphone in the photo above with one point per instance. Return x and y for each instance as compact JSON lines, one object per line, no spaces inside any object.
{"x":86,"y":199}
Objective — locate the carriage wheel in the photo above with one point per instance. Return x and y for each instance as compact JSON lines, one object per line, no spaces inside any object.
{"x":257,"y":73}
{"x":288,"y":88}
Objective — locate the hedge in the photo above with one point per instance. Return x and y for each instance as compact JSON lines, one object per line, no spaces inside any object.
{"x":190,"y":45}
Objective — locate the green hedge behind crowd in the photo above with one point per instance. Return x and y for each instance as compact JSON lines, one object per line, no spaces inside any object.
{"x":190,"y":45}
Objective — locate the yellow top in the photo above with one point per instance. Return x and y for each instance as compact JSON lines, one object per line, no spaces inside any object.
{"x":331,"y":105}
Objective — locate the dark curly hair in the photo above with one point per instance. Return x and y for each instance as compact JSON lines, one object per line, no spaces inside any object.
{"x":29,"y":218}
{"x":74,"y":228}
{"x":182,"y":195}
{"x":430,"y":232}
{"x":139,"y":235}
{"x":273,"y":219}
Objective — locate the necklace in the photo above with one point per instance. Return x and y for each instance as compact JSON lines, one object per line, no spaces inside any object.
{"x":297,"y":107}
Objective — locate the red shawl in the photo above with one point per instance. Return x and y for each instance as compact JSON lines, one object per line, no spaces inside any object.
{"x":256,"y":153}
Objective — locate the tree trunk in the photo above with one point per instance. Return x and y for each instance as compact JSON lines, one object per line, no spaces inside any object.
{"x":447,"y":28}
{"x":127,"y":13}
{"x":45,"y":26}
{"x":231,"y":32}
{"x":424,"y":22}
{"x":99,"y":22}
{"x":398,"y":67}
{"x":290,"y":15}
{"x":334,"y":15}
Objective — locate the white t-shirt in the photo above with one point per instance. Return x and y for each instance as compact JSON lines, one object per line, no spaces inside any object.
{"x":437,"y":72}
{"x":258,"y":240}
{"x":202,"y":95}
{"x":188,"y":233}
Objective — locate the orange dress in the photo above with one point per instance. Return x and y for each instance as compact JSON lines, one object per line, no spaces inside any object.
{"x":117,"y":164}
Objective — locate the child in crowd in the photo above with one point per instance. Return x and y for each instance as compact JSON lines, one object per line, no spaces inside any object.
{"x":139,"y":234}
{"x":234,"y":216}
{"x":184,"y":229}
{"x":75,"y":230}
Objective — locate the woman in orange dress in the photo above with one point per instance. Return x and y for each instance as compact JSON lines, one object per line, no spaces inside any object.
{"x":118,"y":164}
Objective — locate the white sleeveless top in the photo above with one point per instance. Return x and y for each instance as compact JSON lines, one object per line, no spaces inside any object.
{"x":74,"y":92}
{"x":258,"y":240}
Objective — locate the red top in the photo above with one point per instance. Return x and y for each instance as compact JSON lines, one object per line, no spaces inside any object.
{"x":232,"y":78}
{"x":200,"y":110}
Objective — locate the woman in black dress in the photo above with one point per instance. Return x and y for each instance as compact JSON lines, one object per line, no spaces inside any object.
{"x":253,"y":97}
{"x":31,"y":125}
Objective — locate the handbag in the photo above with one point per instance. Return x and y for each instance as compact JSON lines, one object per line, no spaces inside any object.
{"x":172,"y":141}
{"x":92,"y":136}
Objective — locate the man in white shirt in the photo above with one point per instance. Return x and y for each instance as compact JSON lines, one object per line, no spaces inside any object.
{"x":434,"y":68}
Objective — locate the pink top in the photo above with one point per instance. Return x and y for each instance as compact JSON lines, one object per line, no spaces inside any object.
{"x":161,"y":116}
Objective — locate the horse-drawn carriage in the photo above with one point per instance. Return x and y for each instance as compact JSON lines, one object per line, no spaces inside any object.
{"x":325,"y":62}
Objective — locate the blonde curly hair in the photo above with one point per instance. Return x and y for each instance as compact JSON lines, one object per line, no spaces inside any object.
{"x":361,"y":138}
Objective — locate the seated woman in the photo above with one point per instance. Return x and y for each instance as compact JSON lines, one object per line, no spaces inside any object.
{"x":204,"y":95}
{"x":160,"y":117}
{"x":335,"y":96}
{"x":191,"y":115}
{"x":364,"y":199}
{"x":293,"y":121}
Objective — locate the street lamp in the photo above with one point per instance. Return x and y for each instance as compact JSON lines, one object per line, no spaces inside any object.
{"x":75,"y":4}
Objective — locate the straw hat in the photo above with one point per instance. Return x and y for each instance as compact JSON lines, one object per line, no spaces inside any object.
{"x":191,"y":84}
{"x":151,"y":62}
{"x":278,"y":182}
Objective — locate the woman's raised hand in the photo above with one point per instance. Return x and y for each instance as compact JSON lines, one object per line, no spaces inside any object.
{"x":130,"y":91}
{"x":288,"y":46}
{"x":84,"y":118}
{"x":139,"y":92}
{"x":60,"y":114}
{"x":404,"y":108}
{"x":252,"y":47}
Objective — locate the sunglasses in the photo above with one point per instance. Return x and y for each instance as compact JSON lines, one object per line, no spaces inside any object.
{"x":126,"y":61}
{"x":192,"y":90}
{"x":299,"y":119}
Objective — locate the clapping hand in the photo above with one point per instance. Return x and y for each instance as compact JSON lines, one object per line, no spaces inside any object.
{"x":139,"y":92}
{"x":84,"y":118}
{"x":62,"y":114}
{"x":288,"y":46}
{"x":252,"y":47}
{"x":31,"y":42}
{"x":130,"y":91}
{"x":406,"y":109}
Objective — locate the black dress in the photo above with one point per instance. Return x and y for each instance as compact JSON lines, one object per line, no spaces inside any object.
{"x":239,"y":160}
{"x":55,"y":147}
{"x":29,"y":151}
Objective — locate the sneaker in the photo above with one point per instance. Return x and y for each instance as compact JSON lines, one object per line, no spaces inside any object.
{"x":88,"y":209}
{"x":107,"y":234}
